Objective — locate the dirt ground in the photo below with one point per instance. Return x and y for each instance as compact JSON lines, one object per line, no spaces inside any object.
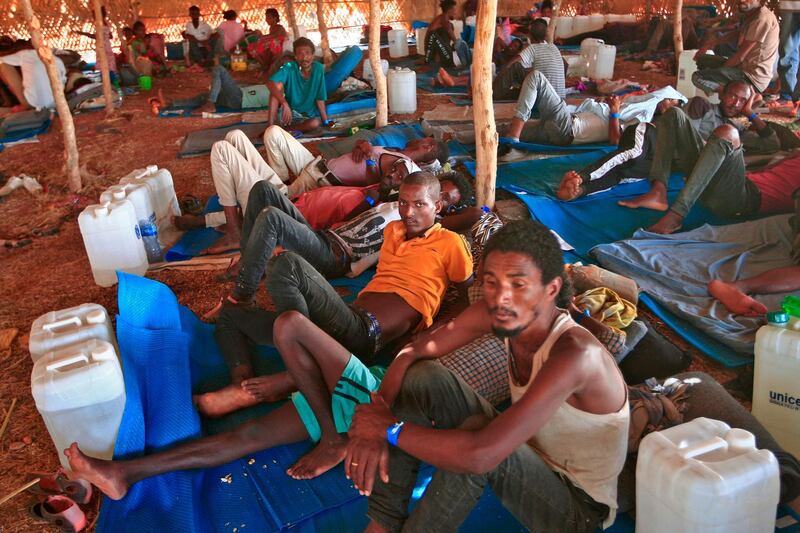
{"x":52,"y":272}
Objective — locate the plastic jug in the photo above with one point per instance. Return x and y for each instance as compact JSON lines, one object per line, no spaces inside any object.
{"x":420,"y":34}
{"x":602,"y":65}
{"x":776,"y":383}
{"x":596,"y":22}
{"x":141,"y":198}
{"x":398,"y":43}
{"x":565,"y":27}
{"x":369,"y":76}
{"x":113,"y":241}
{"x":588,"y":52}
{"x":704,"y":477}
{"x":402,"y":86}
{"x":80,"y":393}
{"x":57,"y":329}
{"x":162,"y":196}
{"x":580,"y":24}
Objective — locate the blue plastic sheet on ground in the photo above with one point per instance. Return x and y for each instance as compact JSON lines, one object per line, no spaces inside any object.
{"x":195,"y":241}
{"x":166,"y":353}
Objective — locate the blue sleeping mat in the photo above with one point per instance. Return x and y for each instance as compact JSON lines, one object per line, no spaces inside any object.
{"x":25,"y":134}
{"x":346,"y":63}
{"x":166,"y":354}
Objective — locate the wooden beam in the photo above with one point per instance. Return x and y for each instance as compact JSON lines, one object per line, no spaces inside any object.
{"x":483,"y":107}
{"x":292,"y":18}
{"x":327,"y":57}
{"x":677,"y":30}
{"x":551,"y":28}
{"x":382,"y":103}
{"x":102,"y":58}
{"x":67,"y":126}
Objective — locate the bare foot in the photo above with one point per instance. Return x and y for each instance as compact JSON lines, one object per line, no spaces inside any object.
{"x":735,"y":300}
{"x":269,"y":388}
{"x":187,"y":222}
{"x":445,"y":78}
{"x":669,"y":223}
{"x":223,"y":401}
{"x":228,"y":242}
{"x":105,"y":475}
{"x":208,"y":107}
{"x":656,"y":199}
{"x":570,"y":187}
{"x":325,"y":455}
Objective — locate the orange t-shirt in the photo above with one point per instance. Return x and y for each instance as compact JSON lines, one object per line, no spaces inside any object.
{"x":420,"y":269}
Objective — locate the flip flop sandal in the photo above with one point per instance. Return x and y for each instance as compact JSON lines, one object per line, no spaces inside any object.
{"x":58,"y":484}
{"x":61,"y":512}
{"x":296,"y":133}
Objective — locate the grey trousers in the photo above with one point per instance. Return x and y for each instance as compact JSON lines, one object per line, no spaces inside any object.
{"x":678,"y":144}
{"x":541,"y":499}
{"x":555,"y":122}
{"x":719,"y":181}
{"x":711,"y":76}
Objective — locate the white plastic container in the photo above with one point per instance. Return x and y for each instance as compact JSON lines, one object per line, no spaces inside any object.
{"x":472,"y":20}
{"x":162,"y":194}
{"x":580,"y":24}
{"x":368,"y":74}
{"x":112,"y":240}
{"x":398,"y":43}
{"x":686,"y":67}
{"x":596,"y":22}
{"x":601,"y":67}
{"x":565,"y":27}
{"x":80,"y":393}
{"x":776,"y":384}
{"x":402,"y":91}
{"x":58,"y":329}
{"x":704,"y":477}
{"x":136,"y":193}
{"x":420,"y":34}
{"x":588,"y":53}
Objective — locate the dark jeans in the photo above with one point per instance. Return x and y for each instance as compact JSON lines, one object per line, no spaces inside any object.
{"x":508,"y":83}
{"x":538,"y":497}
{"x":632,"y":160}
{"x":789,"y":63}
{"x":719,"y":181}
{"x":294,"y":285}
{"x":677,"y":142}
{"x":271,"y":220}
{"x":711,"y":76}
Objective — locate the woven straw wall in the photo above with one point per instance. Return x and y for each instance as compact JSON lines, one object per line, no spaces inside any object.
{"x":344,"y":18}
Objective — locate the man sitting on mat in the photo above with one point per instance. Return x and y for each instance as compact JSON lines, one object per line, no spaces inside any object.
{"x":297,"y":89}
{"x":552,"y":458}
{"x":224,"y":93}
{"x":236,"y":166}
{"x":417,"y":261}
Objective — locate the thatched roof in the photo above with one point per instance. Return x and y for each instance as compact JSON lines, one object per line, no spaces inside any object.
{"x":60,"y":17}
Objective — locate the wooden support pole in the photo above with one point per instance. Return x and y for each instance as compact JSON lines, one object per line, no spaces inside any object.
{"x":292,"y":18}
{"x":677,"y":30}
{"x":551,"y":28}
{"x":483,"y":107}
{"x":67,"y":126}
{"x":382,"y":103}
{"x":102,"y":57}
{"x":327,"y":57}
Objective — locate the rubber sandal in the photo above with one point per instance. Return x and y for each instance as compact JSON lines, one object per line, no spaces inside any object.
{"x":296,"y":133}
{"x":59,"y":485}
{"x":61,"y":512}
{"x":191,"y":205}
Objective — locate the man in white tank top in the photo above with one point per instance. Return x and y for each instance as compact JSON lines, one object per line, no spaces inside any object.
{"x":552,"y":458}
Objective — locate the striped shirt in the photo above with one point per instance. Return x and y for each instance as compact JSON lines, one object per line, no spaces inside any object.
{"x":364,"y":233}
{"x":545,"y":58}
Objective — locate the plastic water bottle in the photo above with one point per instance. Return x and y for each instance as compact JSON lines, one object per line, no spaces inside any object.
{"x":150,"y":238}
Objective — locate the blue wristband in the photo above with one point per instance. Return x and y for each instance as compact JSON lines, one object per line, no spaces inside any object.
{"x":752,"y":116}
{"x":584,"y":314}
{"x":614,"y":115}
{"x":371,"y":163}
{"x":370,"y":200}
{"x":327,"y":122}
{"x":393,"y":432}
